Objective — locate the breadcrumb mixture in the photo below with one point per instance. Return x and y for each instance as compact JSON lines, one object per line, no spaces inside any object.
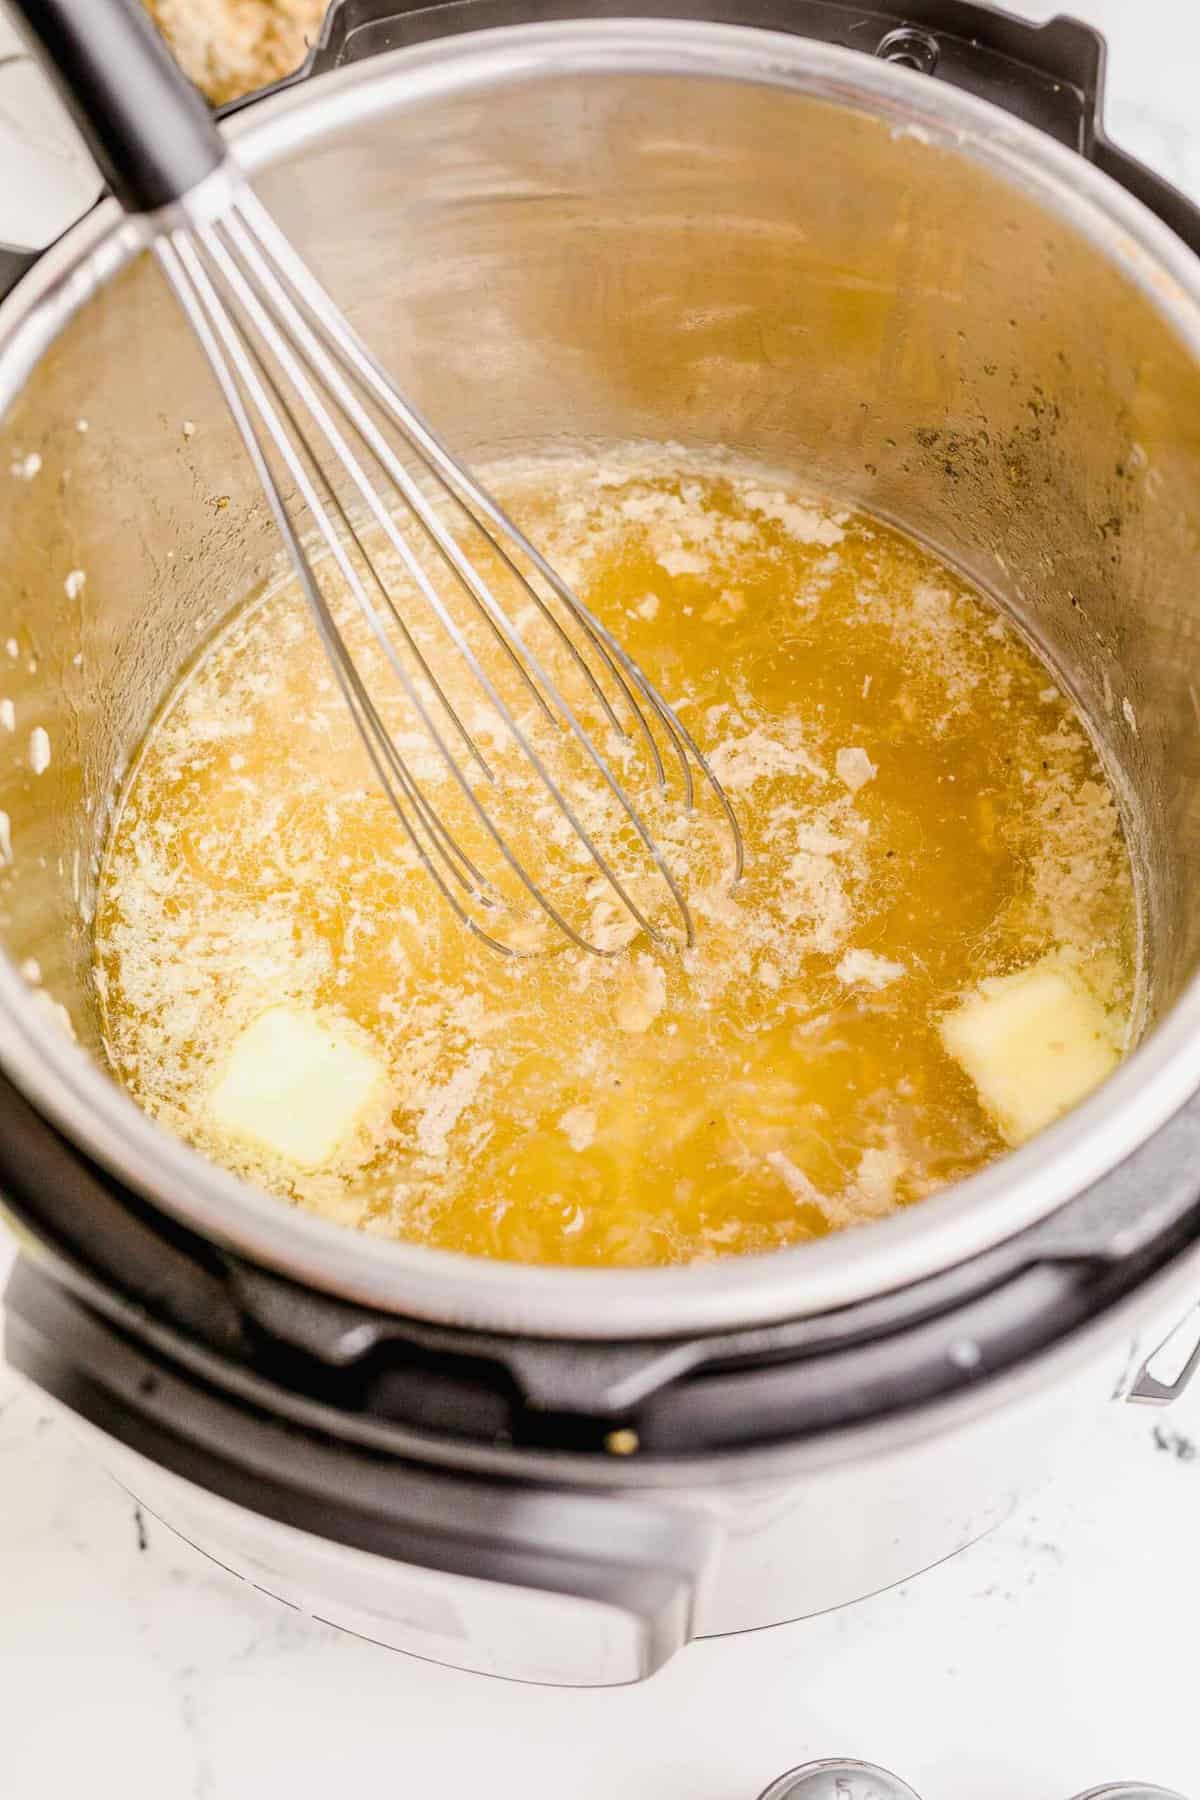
{"x":231,"y":47}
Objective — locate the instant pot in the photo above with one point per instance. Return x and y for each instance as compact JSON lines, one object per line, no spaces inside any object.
{"x":891,"y":250}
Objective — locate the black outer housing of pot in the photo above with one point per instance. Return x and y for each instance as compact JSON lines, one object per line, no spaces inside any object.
{"x":332,"y":1417}
{"x":1049,"y":75}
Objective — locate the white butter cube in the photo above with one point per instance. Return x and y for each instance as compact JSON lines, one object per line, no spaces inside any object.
{"x":1033,"y":1043}
{"x":295,"y":1086}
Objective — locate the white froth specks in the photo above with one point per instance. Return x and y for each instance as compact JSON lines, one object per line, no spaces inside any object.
{"x":579,"y":1125}
{"x":81,"y":425}
{"x":854,"y":768}
{"x":641,"y":994}
{"x":8,"y":715}
{"x":24,"y":468}
{"x":756,"y":755}
{"x":805,"y":524}
{"x":6,"y":854}
{"x":681,"y":562}
{"x":12,"y":648}
{"x":39,"y":750}
{"x":31,"y":969}
{"x":865,"y":968}
{"x":447,"y":1103}
{"x":75,"y":583}
{"x":189,"y":429}
{"x":1129,"y":715}
{"x":797,"y":1183}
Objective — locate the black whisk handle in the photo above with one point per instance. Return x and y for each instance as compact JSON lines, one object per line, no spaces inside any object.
{"x":149,"y":130}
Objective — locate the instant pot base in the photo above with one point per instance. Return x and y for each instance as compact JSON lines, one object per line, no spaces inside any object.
{"x":753,"y":1481}
{"x":534,"y":1582}
{"x":542,"y":1473}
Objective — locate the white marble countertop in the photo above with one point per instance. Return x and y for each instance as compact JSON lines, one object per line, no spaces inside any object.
{"x":1056,"y":1654}
{"x":1059,"y":1653}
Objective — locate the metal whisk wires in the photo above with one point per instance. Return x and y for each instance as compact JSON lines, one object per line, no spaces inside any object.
{"x":311,"y":402}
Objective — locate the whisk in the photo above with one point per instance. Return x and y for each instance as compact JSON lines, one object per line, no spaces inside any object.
{"x":332,"y":439}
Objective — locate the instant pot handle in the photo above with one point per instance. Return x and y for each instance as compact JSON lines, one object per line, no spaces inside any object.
{"x":1050,"y":75}
{"x":503,"y":1576}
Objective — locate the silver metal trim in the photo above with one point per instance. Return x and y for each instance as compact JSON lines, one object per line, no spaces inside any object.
{"x":837,"y":1778}
{"x":1127,"y":1790}
{"x":948,"y":1229}
{"x":210,"y":197}
{"x":1149,"y":1389}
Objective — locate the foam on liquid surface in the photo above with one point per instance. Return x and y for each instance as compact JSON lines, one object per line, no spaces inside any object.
{"x":922,"y":810}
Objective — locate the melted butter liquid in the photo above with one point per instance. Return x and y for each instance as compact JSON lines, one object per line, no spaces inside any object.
{"x":921,"y":809}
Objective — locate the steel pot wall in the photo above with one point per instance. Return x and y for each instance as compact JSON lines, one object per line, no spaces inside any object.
{"x":583,"y":234}
{"x":593,"y":232}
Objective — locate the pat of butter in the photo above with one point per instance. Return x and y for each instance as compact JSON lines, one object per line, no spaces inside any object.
{"x":1034,"y":1044}
{"x":295,"y":1086}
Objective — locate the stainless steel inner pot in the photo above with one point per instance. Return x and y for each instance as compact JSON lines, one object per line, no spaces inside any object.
{"x":586,"y":233}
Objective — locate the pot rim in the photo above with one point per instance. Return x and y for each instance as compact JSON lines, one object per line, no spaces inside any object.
{"x":965,"y":1219}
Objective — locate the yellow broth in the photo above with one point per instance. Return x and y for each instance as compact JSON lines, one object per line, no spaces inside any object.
{"x":921,"y":807}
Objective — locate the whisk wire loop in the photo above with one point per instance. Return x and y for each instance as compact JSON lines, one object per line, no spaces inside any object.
{"x":305,"y":393}
{"x":479,"y":590}
{"x":190,"y":287}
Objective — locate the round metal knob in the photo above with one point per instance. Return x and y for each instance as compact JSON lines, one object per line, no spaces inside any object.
{"x":839,"y":1780}
{"x":911,"y":48}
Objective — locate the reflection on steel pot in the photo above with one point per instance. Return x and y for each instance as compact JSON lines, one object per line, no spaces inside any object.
{"x":679,"y":231}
